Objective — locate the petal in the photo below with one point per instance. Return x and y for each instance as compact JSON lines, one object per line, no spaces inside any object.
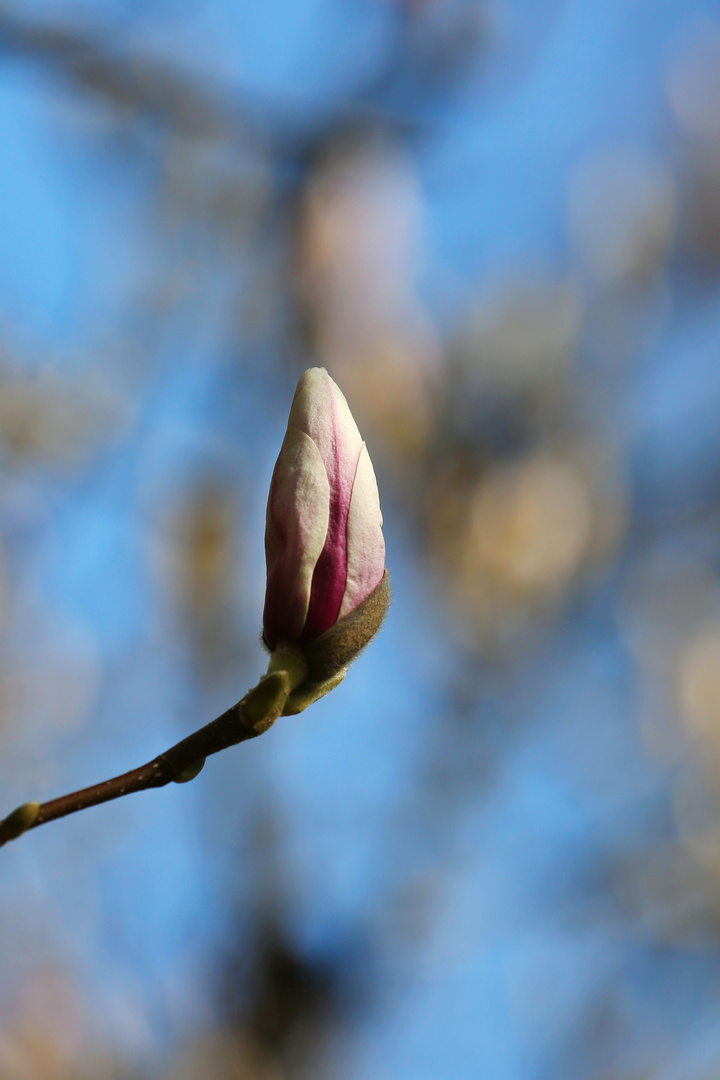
{"x":365,"y":541}
{"x":320,"y":410}
{"x":297,"y":523}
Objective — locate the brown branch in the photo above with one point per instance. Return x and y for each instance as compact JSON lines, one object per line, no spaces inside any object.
{"x":257,"y":711}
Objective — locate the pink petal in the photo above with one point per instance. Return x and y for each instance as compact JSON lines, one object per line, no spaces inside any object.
{"x":365,"y":541}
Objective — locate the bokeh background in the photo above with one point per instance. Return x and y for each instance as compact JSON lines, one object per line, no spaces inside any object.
{"x":494,"y":851}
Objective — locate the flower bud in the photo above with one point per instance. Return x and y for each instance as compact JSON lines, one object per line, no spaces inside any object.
{"x":324,"y":546}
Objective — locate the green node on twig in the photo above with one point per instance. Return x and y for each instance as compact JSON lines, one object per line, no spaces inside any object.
{"x":21,"y":819}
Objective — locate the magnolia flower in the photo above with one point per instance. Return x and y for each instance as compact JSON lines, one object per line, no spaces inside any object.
{"x":323,"y":541}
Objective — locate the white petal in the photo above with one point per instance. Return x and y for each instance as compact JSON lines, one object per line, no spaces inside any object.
{"x":297,"y":523}
{"x":365,"y":544}
{"x":320,"y":410}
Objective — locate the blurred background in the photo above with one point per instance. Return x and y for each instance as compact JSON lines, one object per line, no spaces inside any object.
{"x":494,"y":851}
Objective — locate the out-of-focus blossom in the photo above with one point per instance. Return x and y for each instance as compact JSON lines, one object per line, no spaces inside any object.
{"x":512,"y":542}
{"x":529,"y":525}
{"x":358,"y":240}
{"x":359,"y":246}
{"x":699,"y":688}
{"x":670,"y":619}
{"x":195,"y":551}
{"x":44,"y":1036}
{"x":324,"y":544}
{"x":387,"y":375}
{"x":57,"y":422}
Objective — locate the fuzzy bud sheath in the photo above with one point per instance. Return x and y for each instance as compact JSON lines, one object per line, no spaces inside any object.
{"x":327,"y":588}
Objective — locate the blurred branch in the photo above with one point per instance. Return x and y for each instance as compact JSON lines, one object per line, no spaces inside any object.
{"x":131,"y":82}
{"x":164,"y":92}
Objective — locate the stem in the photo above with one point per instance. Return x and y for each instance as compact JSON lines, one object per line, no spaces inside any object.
{"x":250,"y":717}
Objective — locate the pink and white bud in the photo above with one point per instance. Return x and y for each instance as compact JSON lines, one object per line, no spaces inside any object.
{"x":324,"y":545}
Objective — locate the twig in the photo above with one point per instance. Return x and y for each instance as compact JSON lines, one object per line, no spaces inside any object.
{"x":250,"y":717}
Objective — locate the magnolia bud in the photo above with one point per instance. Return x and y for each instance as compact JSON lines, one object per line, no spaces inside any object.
{"x":323,"y":541}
